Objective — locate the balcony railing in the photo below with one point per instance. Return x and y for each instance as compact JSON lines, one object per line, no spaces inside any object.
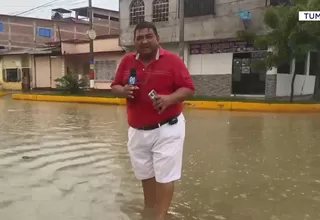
{"x":193,"y":8}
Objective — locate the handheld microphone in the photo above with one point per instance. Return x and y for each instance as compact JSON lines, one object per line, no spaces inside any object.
{"x":133,"y":77}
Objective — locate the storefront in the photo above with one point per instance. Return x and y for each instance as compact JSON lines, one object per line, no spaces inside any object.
{"x":223,"y":68}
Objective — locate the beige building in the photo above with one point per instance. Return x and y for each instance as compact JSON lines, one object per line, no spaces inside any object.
{"x":218,"y":62}
{"x":43,"y":66}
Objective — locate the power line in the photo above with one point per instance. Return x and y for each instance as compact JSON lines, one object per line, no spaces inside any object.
{"x":15,"y":6}
{"x":76,"y":3}
{"x":38,"y":7}
{"x":49,"y":4}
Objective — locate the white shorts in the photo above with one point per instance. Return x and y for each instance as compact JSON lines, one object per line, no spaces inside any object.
{"x":158,"y":153}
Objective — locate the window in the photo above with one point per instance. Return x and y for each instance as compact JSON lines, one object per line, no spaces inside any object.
{"x":136,"y":12}
{"x":284,"y":68}
{"x":11,"y":75}
{"x":99,"y":16}
{"x":300,"y":67}
{"x":1,"y":27}
{"x":105,"y":70}
{"x":44,"y":32}
{"x":193,"y":8}
{"x":114,"y":19}
{"x":241,"y":65}
{"x":313,"y":63}
{"x":160,"y":10}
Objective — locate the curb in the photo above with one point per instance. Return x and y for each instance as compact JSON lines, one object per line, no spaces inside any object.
{"x":212,"y":105}
{"x":3,"y":94}
{"x":71,"y":99}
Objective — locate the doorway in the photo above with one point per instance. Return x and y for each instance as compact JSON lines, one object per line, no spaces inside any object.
{"x":246,"y":81}
{"x":26,"y":79}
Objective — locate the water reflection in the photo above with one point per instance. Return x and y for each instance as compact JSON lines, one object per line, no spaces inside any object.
{"x":237,"y":166}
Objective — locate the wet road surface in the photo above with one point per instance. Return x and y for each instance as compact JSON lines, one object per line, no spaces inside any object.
{"x":70,"y":162}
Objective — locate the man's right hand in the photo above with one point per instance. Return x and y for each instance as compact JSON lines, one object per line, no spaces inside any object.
{"x":128,"y":91}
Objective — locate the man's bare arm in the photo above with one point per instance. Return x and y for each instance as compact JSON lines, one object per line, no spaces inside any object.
{"x":117,"y":90}
{"x":180,"y":95}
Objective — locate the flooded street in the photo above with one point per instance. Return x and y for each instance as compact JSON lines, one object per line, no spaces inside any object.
{"x":70,"y":162}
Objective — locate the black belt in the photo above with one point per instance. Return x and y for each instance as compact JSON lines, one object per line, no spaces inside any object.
{"x":171,"y":121}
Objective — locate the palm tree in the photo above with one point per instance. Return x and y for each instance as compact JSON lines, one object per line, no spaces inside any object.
{"x":287,"y":38}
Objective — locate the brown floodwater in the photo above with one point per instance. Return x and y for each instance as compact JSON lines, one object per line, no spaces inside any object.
{"x":70,"y":162}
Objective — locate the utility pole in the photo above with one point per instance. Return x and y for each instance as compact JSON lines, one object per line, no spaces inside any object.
{"x":92,"y":36}
{"x":181,"y":29}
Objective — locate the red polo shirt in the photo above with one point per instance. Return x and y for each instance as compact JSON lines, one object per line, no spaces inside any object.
{"x":165,"y":75}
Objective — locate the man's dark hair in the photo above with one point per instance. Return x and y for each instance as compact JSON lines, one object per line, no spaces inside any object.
{"x":145,"y":24}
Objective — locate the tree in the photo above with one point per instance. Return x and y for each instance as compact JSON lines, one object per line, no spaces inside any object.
{"x":287,"y":38}
{"x":71,"y":83}
{"x":312,"y":30}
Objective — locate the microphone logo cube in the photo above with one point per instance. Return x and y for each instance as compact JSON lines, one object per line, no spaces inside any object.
{"x":132,"y":80}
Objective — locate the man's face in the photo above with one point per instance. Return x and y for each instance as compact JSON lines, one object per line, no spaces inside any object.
{"x":146,"y":41}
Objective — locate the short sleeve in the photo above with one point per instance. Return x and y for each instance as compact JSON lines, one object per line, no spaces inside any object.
{"x":118,"y":80}
{"x":182,"y":77}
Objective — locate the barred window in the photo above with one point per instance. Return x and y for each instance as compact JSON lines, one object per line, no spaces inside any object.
{"x":160,"y":10}
{"x":12,"y":75}
{"x":193,"y":8}
{"x":105,"y":70}
{"x":136,"y":12}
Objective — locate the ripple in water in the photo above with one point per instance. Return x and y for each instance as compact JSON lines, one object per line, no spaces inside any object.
{"x":64,"y":163}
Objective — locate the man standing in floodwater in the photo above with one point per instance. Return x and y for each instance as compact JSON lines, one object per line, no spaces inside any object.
{"x":157,"y":126}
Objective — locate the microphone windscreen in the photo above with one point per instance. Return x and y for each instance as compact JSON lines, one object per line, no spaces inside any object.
{"x":132,"y":71}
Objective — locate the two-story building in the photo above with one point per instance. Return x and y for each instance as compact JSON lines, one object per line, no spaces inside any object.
{"x":20,"y":36}
{"x":218,"y":62}
{"x":38,"y":68}
{"x":26,"y":32}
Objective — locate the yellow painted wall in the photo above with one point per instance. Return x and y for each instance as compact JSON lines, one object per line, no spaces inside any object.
{"x":13,"y":61}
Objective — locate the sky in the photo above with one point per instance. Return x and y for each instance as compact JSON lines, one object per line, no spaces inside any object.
{"x":16,"y":7}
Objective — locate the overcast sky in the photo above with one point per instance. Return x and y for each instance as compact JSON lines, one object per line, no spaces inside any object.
{"x":14,"y":7}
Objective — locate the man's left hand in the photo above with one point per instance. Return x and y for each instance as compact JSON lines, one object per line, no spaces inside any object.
{"x":161,"y":102}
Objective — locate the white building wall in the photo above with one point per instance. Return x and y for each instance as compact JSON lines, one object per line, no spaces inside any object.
{"x":171,"y":47}
{"x":204,"y":64}
{"x":303,"y":85}
{"x":210,"y":64}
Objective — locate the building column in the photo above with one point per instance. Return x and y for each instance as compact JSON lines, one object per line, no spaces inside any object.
{"x":9,"y":35}
{"x":63,"y":66}
{"x":186,"y":54}
{"x":271,"y":82}
{"x":148,"y":10}
{"x":307,"y":66}
{"x":1,"y":74}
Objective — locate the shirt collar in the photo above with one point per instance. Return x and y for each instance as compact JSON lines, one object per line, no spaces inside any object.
{"x":160,"y":52}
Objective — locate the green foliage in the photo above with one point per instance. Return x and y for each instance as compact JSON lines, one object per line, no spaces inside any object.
{"x":287,"y":37}
{"x":71,"y":83}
